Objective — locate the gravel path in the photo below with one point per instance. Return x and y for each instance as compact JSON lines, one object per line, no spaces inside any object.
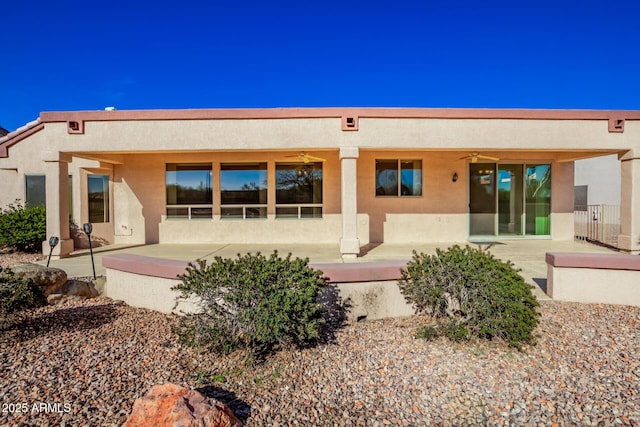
{"x":90,"y":360}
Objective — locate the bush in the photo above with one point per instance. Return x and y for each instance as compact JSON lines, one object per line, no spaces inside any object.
{"x":470,"y":292}
{"x":252,"y":302}
{"x":17,"y":295}
{"x":23,"y":227}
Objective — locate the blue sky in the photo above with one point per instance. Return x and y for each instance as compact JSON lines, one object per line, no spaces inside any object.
{"x":71,"y":55}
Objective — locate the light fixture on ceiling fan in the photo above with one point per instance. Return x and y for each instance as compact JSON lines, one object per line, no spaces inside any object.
{"x":475,"y":156}
{"x":306,"y":158}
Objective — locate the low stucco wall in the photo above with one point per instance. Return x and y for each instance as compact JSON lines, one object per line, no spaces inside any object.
{"x":327,"y":229}
{"x":371,"y":288}
{"x":594,"y":278}
{"x":149,"y":292}
{"x":374,"y":300}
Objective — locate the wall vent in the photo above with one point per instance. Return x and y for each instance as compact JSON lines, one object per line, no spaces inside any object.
{"x":349,"y":122}
{"x":616,"y":125}
{"x":75,"y":126}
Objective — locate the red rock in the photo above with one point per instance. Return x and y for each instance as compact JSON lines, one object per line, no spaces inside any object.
{"x":173,"y":405}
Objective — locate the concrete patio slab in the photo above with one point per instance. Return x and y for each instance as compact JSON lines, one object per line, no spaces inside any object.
{"x":527,"y":255}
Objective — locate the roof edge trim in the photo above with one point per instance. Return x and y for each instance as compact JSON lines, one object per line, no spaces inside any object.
{"x":334,"y":112}
{"x":18,"y":135}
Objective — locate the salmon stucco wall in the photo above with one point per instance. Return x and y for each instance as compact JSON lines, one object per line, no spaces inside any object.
{"x":441,"y":212}
{"x":140,"y":200}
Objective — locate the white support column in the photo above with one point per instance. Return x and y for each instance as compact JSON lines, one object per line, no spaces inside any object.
{"x":629,"y":238}
{"x":57,"y":204}
{"x":349,"y":243}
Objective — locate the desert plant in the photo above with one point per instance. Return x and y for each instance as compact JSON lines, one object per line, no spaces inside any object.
{"x":18,"y":295}
{"x":23,"y":227}
{"x":251,"y":302}
{"x":470,"y":292}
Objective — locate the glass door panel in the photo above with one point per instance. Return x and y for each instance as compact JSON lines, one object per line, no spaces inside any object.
{"x":482,"y":199}
{"x":538,"y":199}
{"x":510,"y":205}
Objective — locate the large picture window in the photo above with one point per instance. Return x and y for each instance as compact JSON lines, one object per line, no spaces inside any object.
{"x":299,"y":190}
{"x":243,"y":190}
{"x":98,"y":189}
{"x":189,"y":190}
{"x":398,"y":177}
{"x":35,"y":190}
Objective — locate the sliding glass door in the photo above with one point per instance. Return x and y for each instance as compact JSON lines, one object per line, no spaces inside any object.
{"x":482,"y":199}
{"x":509,"y":199}
{"x":538,"y":202}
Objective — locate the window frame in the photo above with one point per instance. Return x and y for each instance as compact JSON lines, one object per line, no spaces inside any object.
{"x":303,"y":210}
{"x":260,"y":207}
{"x":398,"y":162}
{"x":44,"y":189}
{"x":192,"y":209}
{"x":106,"y":202}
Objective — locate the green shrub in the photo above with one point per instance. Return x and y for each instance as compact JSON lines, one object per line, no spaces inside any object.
{"x":23,"y":227}
{"x":17,"y":295}
{"x":252,"y":302}
{"x":471,"y":292}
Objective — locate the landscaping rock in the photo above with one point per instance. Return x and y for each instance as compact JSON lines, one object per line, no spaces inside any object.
{"x":78,"y":288}
{"x":54,"y":299}
{"x":99,"y":283}
{"x":48,"y":278}
{"x":173,"y":405}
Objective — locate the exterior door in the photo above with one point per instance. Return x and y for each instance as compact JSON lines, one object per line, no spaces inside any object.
{"x":510,"y":205}
{"x":482,"y":199}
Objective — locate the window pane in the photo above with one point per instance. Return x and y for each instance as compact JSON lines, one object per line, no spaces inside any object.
{"x":189,"y":184}
{"x":411,"y":177}
{"x":538,"y":199}
{"x":250,"y":212}
{"x":231,"y":212}
{"x":298,"y":183}
{"x":287,"y":212}
{"x":177,"y":212}
{"x":310,"y":212}
{"x":243,"y":184}
{"x":258,"y":212}
{"x":201,"y":213}
{"x":35,"y":190}
{"x":98,"y":189}
{"x":386,"y":177}
{"x":70,"y":189}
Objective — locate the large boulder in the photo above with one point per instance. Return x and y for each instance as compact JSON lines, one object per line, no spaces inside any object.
{"x":173,"y":405}
{"x":54,"y":283}
{"x":49,"y":279}
{"x":78,"y":288}
{"x":73,"y":290}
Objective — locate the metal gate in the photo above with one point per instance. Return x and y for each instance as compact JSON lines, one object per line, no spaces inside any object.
{"x":598,"y":223}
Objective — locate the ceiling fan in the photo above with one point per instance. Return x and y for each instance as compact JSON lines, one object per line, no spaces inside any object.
{"x":475,"y":156}
{"x":306,"y":158}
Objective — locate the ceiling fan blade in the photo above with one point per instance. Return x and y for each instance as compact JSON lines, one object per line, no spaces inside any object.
{"x":317,"y":159}
{"x":495,"y":159}
{"x":474,"y":156}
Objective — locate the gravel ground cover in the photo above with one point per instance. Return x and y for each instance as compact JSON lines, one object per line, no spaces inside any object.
{"x":84,"y":363}
{"x":9,"y":257}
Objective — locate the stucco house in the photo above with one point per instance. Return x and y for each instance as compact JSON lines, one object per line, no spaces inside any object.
{"x":344,"y":176}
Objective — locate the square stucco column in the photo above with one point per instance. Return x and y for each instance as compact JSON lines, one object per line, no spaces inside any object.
{"x":57,"y":204}
{"x":629,"y":238}
{"x":349,"y":243}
